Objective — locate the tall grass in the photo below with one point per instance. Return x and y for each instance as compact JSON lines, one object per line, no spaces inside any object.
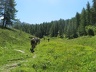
{"x":57,"y":55}
{"x":10,"y":40}
{"x":61,"y":55}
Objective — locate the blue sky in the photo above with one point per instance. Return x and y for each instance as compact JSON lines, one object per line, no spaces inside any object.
{"x":39,"y":11}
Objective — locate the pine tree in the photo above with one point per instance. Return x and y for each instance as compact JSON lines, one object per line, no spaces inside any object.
{"x":94,"y":4}
{"x":82,"y":23}
{"x":1,"y":7}
{"x":93,"y":12}
{"x":88,"y":14}
{"x":77,"y":20}
{"x":1,"y":11}
{"x":9,"y":12}
{"x":61,"y":28}
{"x":54,"y":29}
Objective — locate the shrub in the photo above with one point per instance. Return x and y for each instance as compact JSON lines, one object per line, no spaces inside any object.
{"x":90,"y":32}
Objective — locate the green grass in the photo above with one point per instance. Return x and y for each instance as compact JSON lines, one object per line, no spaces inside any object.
{"x":61,"y":55}
{"x":57,"y":55}
{"x":10,"y":40}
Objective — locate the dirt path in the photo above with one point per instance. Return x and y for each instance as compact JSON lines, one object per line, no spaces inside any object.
{"x":8,"y":67}
{"x":14,"y":64}
{"x":19,"y":50}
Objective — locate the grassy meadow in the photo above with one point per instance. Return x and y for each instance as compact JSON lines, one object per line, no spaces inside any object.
{"x":11,"y":42}
{"x":57,"y":55}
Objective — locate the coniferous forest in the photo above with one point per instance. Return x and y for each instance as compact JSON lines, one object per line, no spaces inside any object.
{"x":81,"y":25}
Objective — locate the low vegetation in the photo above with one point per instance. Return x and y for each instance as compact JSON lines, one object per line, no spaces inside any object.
{"x":61,"y":55}
{"x":57,"y":55}
{"x":11,"y":42}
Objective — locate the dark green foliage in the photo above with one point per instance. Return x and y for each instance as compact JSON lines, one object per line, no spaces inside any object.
{"x":70,"y":28}
{"x":88,"y":14}
{"x":77,"y":19}
{"x":8,"y":12}
{"x":94,"y":4}
{"x":93,"y":16}
{"x":90,"y":32}
{"x":83,"y":18}
{"x":75,"y":35}
{"x":93,"y":30}
{"x":93,"y":13}
{"x":61,"y":23}
{"x":82,"y":31}
{"x":54,"y":29}
{"x":83,"y":23}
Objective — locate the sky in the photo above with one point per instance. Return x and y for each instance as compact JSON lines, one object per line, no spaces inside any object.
{"x":39,"y":11}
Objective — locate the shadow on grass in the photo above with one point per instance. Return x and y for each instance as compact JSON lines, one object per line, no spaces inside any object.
{"x":7,"y":28}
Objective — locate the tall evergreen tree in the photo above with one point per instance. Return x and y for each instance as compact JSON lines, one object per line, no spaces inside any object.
{"x":9,"y":12}
{"x":88,"y":14}
{"x":54,"y":29}
{"x":77,"y":20}
{"x":94,"y":4}
{"x":93,"y":12}
{"x":61,"y":28}
{"x":82,"y":23}
{"x":1,"y":11}
{"x":1,"y":7}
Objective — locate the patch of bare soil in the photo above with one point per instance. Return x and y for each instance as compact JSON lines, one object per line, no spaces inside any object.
{"x":8,"y":67}
{"x":15,"y":63}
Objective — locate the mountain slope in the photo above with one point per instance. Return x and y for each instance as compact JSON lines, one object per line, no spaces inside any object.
{"x":14,"y":45}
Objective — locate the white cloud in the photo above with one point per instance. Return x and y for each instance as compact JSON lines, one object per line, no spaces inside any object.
{"x":1,"y":17}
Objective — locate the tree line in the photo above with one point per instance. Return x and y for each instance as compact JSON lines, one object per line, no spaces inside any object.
{"x":82,"y":24}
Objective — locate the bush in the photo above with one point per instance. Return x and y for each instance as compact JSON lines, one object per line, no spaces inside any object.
{"x":90,"y":32}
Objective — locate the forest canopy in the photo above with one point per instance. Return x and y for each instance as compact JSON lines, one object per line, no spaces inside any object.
{"x":81,"y":25}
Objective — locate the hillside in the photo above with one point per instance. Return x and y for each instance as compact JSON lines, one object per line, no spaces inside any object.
{"x":14,"y":46}
{"x":57,"y":55}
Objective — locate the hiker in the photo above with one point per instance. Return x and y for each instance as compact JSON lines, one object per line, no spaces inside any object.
{"x":34,"y":42}
{"x":37,"y":40}
{"x":48,"y":39}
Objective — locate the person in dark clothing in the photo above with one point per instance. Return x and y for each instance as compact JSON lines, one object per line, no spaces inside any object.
{"x":48,"y":39}
{"x":34,"y":42}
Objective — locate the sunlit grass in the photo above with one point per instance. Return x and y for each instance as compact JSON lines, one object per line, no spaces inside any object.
{"x":61,"y":55}
{"x":57,"y":55}
{"x":11,"y":40}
